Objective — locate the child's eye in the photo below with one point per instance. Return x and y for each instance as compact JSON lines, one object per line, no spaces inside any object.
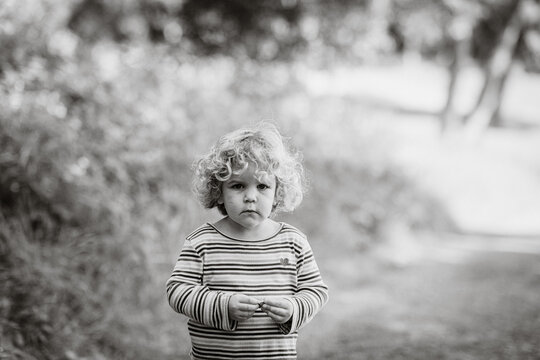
{"x":237,"y":186}
{"x":263,"y":187}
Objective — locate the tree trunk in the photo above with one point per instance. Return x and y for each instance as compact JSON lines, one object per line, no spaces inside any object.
{"x":459,"y":34}
{"x":449,"y":117}
{"x":489,"y":101}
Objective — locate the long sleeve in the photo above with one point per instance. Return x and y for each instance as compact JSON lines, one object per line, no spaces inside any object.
{"x":189,"y":297}
{"x":212,"y":266}
{"x":311,"y":295}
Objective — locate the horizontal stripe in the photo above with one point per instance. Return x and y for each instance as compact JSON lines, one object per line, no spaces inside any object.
{"x":211,"y":267}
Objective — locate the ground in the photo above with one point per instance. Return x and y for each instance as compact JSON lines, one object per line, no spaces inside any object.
{"x":449,"y":302}
{"x":471,"y":294}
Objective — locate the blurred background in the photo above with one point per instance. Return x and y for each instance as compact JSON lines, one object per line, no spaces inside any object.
{"x":419,"y":122}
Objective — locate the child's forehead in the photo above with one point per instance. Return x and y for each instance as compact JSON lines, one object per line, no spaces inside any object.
{"x":252,"y":173}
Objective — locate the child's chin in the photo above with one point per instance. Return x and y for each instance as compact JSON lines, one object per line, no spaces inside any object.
{"x":250,"y":225}
{"x":253,"y":222}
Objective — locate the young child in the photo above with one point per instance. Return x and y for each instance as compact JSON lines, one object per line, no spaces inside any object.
{"x":246,"y":282}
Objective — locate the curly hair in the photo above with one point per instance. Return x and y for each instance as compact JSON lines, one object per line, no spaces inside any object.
{"x":261,"y":146}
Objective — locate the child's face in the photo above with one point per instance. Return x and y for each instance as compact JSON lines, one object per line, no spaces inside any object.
{"x":248,"y":201}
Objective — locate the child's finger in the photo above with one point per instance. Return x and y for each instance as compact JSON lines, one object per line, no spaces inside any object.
{"x":242,"y":315}
{"x":248,"y":307}
{"x":251,"y":305}
{"x":274,"y":301}
{"x":249,"y":300}
{"x":280,"y":303}
{"x":244,"y":302}
{"x":246,"y":314}
{"x":274,"y":310}
{"x":276,"y":318}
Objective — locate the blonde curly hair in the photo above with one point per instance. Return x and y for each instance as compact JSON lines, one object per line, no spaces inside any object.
{"x":261,"y":146}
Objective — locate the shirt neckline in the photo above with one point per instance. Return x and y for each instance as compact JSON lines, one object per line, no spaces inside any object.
{"x":281,"y":224}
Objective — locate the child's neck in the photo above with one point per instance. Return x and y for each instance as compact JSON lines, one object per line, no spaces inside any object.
{"x":263,"y":231}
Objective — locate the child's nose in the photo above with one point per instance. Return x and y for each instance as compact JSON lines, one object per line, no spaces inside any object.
{"x":250,"y":195}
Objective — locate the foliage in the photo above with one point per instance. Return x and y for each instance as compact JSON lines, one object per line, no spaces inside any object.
{"x":320,"y":32}
{"x":265,"y":30}
{"x":98,"y":128}
{"x":431,"y":27}
{"x":77,"y":170}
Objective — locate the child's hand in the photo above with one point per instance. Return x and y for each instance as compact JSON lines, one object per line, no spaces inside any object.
{"x":242,"y":307}
{"x":279,"y":309}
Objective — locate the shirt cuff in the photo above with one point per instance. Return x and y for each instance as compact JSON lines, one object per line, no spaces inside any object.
{"x":228,"y":324}
{"x":289,"y":326}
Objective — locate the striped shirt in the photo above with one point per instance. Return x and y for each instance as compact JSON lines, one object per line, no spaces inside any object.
{"x":213,"y":266}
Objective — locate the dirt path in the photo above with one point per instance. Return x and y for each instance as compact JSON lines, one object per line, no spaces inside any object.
{"x":484,"y":306}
